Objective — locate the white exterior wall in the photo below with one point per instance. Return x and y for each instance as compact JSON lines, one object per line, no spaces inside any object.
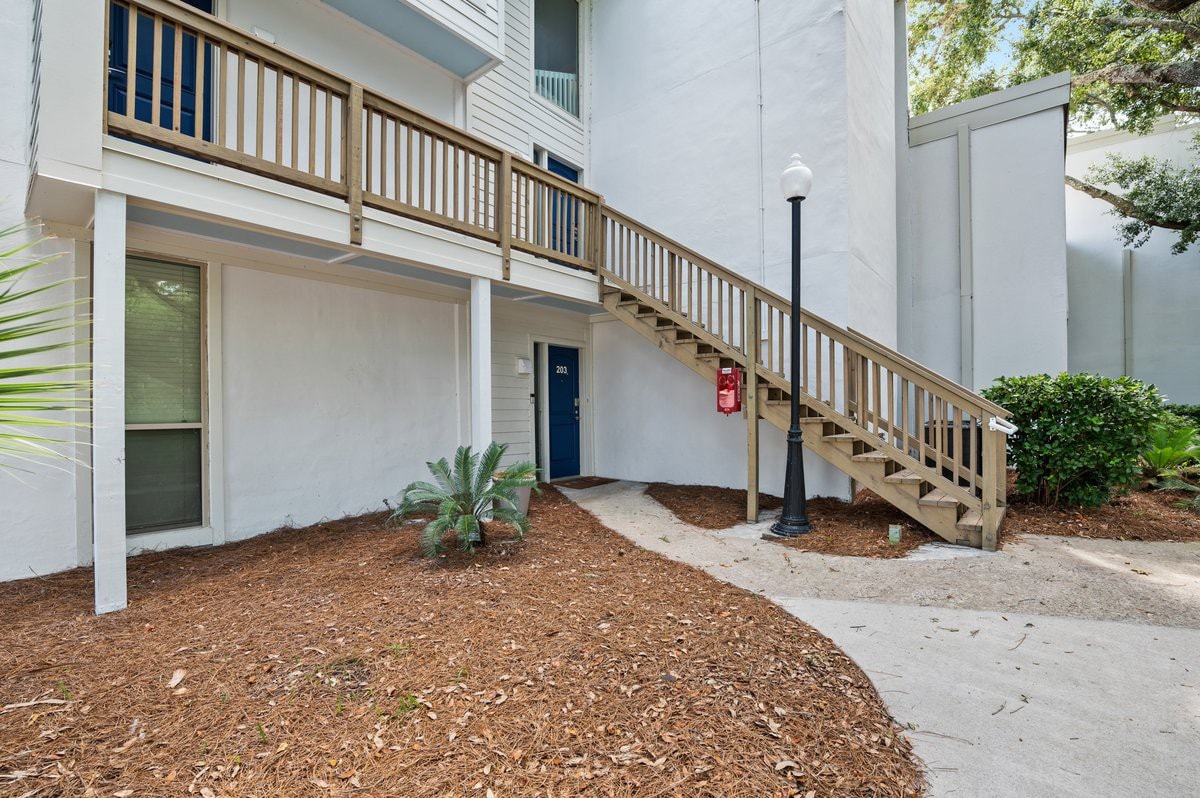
{"x":680,"y":142}
{"x":338,"y":42}
{"x":38,"y":533}
{"x":334,"y":397}
{"x":1165,"y":347}
{"x":990,"y":300}
{"x":657,"y":421}
{"x":929,"y":313}
{"x":503,"y":107}
{"x":1019,"y":248}
{"x":871,"y":171}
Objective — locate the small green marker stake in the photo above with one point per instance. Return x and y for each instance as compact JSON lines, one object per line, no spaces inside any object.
{"x":894,"y":534}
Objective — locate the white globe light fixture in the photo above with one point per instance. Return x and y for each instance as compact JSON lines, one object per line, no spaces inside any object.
{"x":796,"y":184}
{"x":797,"y":180}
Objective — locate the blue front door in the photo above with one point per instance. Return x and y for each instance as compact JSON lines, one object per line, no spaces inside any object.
{"x":563,"y":367}
{"x":143,"y":71}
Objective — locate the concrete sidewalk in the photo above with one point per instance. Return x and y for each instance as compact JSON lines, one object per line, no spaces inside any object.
{"x":1054,"y":667}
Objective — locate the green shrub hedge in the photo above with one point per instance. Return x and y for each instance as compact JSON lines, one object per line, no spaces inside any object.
{"x":1080,"y":434}
{"x":1190,"y":412}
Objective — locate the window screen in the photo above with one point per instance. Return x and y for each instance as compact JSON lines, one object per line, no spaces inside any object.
{"x":162,"y":343}
{"x":164,"y":391}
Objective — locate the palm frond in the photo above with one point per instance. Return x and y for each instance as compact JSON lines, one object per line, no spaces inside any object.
{"x":518,"y":521}
{"x":468,"y":531}
{"x":432,"y":534}
{"x":488,"y":465}
{"x":21,"y":390}
{"x":465,"y":463}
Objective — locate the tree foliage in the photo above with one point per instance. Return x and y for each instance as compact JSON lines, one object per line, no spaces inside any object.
{"x":1132,"y":62}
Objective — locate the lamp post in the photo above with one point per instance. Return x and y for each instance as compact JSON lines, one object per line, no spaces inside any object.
{"x":796,"y":184}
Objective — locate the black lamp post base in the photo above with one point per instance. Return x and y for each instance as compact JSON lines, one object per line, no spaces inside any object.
{"x":784,"y":529}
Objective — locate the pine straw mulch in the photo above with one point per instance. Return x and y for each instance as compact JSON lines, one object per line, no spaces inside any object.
{"x":854,"y":529}
{"x":334,"y":660}
{"x":708,"y":507}
{"x":1139,"y":515}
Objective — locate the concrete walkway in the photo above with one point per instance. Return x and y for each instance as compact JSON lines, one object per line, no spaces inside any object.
{"x":1055,"y":667}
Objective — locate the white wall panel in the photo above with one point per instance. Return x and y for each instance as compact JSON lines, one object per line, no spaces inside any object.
{"x":334,"y":397}
{"x":1165,"y":347}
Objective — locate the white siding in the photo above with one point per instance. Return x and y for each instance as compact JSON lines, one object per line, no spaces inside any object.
{"x":503,"y":107}
{"x":475,"y":20}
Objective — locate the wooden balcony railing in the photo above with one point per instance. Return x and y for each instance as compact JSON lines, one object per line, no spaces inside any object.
{"x":188,"y":82}
{"x":185,"y":81}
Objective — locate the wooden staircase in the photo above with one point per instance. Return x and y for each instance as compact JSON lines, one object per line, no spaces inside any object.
{"x":883,"y":419}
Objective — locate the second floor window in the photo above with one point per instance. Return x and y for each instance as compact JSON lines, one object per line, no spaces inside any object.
{"x":556,"y":52}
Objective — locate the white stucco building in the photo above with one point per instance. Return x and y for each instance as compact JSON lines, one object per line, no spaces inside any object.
{"x":1133,"y":311}
{"x":320,"y":243}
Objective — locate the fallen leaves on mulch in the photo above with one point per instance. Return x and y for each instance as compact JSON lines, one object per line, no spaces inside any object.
{"x":334,"y":660}
{"x":854,"y":529}
{"x":708,"y":507}
{"x":1139,"y":515}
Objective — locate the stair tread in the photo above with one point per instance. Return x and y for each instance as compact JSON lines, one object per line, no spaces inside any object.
{"x":871,"y":457}
{"x":938,"y":498}
{"x":972,"y":520}
{"x":840,"y":436}
{"x":906,"y":476}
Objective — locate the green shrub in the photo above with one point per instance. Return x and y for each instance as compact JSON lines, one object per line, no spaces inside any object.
{"x":1080,"y":435}
{"x":467,"y":496}
{"x":1190,"y":412}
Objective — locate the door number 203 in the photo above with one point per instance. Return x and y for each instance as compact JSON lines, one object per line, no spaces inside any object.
{"x":561,"y":370}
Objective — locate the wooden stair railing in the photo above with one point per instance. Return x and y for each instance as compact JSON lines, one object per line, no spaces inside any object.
{"x":212,"y":91}
{"x":903,"y":429}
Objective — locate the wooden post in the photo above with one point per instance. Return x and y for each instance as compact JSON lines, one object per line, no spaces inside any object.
{"x":600,"y":248}
{"x":992,"y":443}
{"x":751,"y":349}
{"x":354,"y":135}
{"x":504,"y":212}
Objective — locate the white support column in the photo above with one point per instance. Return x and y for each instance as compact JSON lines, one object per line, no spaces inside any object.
{"x":481,"y":363}
{"x":108,"y":394}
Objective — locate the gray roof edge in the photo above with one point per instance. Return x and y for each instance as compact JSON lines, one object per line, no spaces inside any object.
{"x":1028,"y":98}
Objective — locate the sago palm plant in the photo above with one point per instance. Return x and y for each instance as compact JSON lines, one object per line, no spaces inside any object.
{"x":467,"y":496}
{"x":1170,"y":448}
{"x":29,"y":390}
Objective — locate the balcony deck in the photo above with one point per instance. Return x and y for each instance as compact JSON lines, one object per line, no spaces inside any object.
{"x":190,"y":84}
